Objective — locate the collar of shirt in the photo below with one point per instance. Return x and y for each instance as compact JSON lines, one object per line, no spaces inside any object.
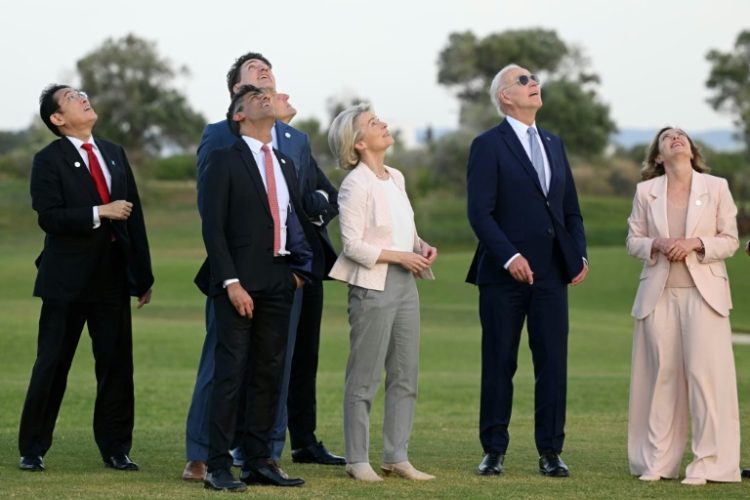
{"x":77,"y":143}
{"x":521,"y":130}
{"x":255,"y":144}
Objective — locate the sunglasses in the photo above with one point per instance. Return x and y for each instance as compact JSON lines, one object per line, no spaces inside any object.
{"x":524,"y":80}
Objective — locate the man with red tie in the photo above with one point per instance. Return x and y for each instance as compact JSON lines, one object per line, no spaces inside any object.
{"x":95,"y":257}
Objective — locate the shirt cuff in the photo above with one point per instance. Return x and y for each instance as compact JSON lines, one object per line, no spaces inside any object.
{"x":507,"y":264}
{"x":228,"y":282}
{"x":97,"y":220}
{"x":325,"y":195}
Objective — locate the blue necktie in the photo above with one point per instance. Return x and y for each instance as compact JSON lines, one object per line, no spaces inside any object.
{"x":537,"y":159}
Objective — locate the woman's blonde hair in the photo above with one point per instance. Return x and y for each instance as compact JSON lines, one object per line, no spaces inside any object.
{"x":652,"y":169}
{"x":343,"y":135}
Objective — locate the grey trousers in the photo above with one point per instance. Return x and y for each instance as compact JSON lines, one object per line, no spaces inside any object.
{"x":384,"y":334}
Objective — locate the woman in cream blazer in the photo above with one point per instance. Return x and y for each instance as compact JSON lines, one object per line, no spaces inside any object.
{"x":683,"y":225}
{"x":382,"y":254}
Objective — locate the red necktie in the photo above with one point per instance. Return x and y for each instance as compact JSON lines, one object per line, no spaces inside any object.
{"x":97,"y":174}
{"x":273,"y":201}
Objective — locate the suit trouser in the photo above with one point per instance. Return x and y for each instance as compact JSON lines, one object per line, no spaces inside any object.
{"x":683,"y":365}
{"x":502,"y":310}
{"x":384,"y":333}
{"x":253,"y":346}
{"x":196,"y":429}
{"x":60,"y":326}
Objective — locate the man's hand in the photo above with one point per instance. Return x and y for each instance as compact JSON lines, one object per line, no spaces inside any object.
{"x":240,"y":299}
{"x":521,"y":271}
{"x":581,"y":276}
{"x":428,"y":252}
{"x":144,"y":299}
{"x":413,"y":262}
{"x":298,"y":280}
{"x":116,"y":210}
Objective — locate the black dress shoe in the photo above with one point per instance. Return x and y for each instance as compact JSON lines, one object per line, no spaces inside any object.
{"x":222,"y":480}
{"x":316,"y":454}
{"x":551,"y":465}
{"x":120,"y":462}
{"x":268,"y":474}
{"x":492,"y":464}
{"x":31,"y":462}
{"x":745,"y":472}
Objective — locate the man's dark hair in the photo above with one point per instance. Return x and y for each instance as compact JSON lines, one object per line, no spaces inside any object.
{"x":48,"y":106}
{"x":233,"y":75}
{"x":236,"y":105}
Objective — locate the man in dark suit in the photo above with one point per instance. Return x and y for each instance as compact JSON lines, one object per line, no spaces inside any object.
{"x":258,"y":255}
{"x":95,"y":256}
{"x":523,"y":207}
{"x":319,"y":199}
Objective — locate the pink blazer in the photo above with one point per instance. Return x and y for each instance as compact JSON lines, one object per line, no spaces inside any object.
{"x":711,"y":216}
{"x":365,"y":219}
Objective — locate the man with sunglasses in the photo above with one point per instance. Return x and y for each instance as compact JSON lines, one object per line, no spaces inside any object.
{"x":523,"y":207}
{"x":95,"y":256}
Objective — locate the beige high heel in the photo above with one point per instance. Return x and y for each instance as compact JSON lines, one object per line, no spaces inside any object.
{"x":362,"y":471}
{"x":406,"y":470}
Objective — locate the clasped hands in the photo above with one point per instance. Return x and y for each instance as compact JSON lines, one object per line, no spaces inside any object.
{"x":418,"y":262}
{"x":676,"y":249}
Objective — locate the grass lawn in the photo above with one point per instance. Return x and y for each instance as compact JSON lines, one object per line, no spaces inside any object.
{"x":168,"y":336}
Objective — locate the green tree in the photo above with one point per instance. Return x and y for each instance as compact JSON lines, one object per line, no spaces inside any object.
{"x":131,"y":88}
{"x":572,"y":105}
{"x":730,"y":82}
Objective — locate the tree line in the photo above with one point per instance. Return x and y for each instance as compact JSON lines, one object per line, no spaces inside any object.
{"x":134,"y":90}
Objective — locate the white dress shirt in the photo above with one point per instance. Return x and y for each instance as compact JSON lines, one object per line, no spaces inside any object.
{"x":77,"y":143}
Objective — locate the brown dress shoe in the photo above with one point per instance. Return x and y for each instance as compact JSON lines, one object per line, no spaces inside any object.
{"x":195,"y":470}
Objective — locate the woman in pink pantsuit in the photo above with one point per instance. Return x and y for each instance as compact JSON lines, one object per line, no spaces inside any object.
{"x":683,"y":225}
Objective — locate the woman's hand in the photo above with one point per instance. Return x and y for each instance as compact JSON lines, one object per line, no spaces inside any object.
{"x":682,"y":247}
{"x":662,"y":245}
{"x":413,"y":262}
{"x":428,"y":252}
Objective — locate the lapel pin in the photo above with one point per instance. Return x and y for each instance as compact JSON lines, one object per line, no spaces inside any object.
{"x":77,"y":164}
{"x":112,"y":162}
{"x":283,"y":161}
{"x":287,"y":135}
{"x":547,"y":137}
{"x":698,"y":202}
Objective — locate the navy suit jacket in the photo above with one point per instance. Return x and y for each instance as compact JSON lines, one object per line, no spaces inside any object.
{"x":510,"y":214}
{"x":296,"y":146}
{"x":63,"y":194}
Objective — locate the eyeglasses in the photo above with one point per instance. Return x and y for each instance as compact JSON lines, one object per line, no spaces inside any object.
{"x":75,"y":96}
{"x":524,"y":80}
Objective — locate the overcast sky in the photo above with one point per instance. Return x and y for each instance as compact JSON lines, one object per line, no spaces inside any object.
{"x":650,"y":54}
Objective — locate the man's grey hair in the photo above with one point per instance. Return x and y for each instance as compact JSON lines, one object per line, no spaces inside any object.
{"x":495,"y":85}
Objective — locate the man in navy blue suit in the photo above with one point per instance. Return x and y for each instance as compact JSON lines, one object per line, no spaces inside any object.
{"x":523,"y":207}
{"x":319,"y":201}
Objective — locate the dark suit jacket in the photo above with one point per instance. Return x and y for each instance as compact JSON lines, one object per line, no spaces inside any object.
{"x":510,"y":214}
{"x":295,"y":145}
{"x":238,"y":227}
{"x":63,"y":194}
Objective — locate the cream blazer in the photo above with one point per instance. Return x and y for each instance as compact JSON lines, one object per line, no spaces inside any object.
{"x":711,"y":216}
{"x":365,"y":219}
